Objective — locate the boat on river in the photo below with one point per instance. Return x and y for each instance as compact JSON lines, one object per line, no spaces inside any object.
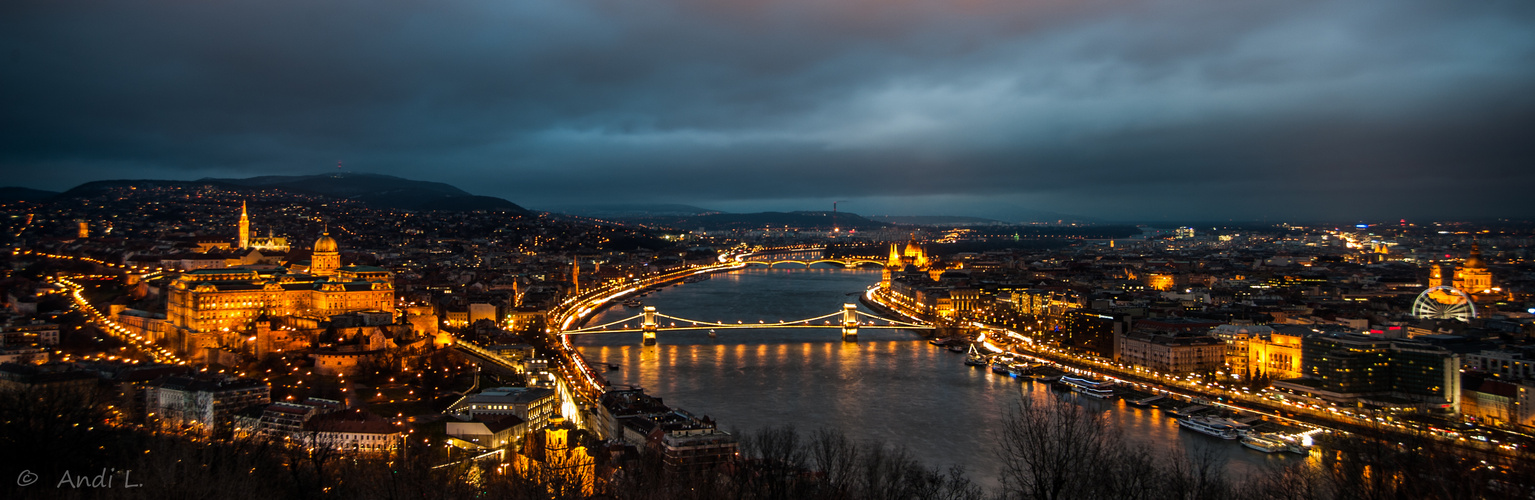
{"x":1263,"y":443}
{"x":1045,"y":373}
{"x":999,"y":366}
{"x":1213,"y":426}
{"x":633,"y":303}
{"x":974,"y":358}
{"x":1091,"y":387}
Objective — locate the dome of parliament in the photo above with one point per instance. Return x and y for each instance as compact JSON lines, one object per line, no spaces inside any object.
{"x":325,"y":244}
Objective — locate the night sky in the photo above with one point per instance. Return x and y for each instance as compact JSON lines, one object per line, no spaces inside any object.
{"x":1109,"y":109}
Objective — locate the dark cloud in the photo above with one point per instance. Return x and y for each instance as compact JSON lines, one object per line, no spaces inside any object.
{"x":1108,"y":108}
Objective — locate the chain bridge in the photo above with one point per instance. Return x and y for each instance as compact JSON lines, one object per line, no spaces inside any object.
{"x":649,"y":322}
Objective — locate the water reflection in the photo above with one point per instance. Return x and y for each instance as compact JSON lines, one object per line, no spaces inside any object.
{"x":890,"y":386}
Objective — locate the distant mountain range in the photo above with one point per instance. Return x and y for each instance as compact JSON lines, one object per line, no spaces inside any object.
{"x":10,"y":194}
{"x":760,"y":220}
{"x":382,"y":191}
{"x":935,"y":220}
{"x":378,"y":190}
{"x":624,"y":211}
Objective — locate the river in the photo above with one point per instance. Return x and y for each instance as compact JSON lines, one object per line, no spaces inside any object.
{"x":891,"y":386}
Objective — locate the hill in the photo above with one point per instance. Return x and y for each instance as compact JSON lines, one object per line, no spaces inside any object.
{"x":627,"y":211}
{"x":381,"y":191}
{"x":935,"y":220}
{"x":10,"y":194}
{"x":797,"y":220}
{"x":385,"y":191}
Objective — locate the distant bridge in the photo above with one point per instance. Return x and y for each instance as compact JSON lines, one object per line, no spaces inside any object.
{"x":853,"y":262}
{"x":773,"y":256}
{"x":849,"y":319}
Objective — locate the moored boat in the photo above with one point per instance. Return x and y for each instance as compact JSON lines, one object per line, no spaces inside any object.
{"x":1263,"y":443}
{"x":1213,"y":426}
{"x":1189,"y":410}
{"x":999,"y":366}
{"x":974,"y":358}
{"x":1090,"y":387}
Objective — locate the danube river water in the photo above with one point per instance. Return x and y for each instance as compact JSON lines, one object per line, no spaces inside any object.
{"x":891,"y":386}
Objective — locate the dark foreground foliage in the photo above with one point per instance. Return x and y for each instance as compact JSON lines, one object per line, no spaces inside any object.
{"x":1048,"y":450}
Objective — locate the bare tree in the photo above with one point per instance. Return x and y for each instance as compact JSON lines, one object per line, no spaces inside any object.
{"x":1053,"y":450}
{"x":835,"y":457}
{"x":1200,"y":476}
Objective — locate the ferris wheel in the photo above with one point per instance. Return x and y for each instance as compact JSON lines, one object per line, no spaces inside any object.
{"x":1444,"y":302}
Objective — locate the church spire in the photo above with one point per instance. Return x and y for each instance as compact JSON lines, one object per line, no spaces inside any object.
{"x":245,"y":227}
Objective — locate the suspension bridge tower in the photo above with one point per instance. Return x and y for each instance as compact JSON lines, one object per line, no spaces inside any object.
{"x":648,"y":326}
{"x":849,"y":322}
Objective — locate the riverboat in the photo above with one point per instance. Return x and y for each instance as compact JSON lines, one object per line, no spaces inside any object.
{"x":1189,"y":410}
{"x":974,"y":358}
{"x":960,"y":348}
{"x":1045,"y":373}
{"x":999,"y":366}
{"x":1213,"y":426}
{"x":1263,"y":443}
{"x":633,"y":303}
{"x":1020,"y":369}
{"x":1090,"y":387}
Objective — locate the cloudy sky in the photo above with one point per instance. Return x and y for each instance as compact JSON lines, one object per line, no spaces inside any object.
{"x":1112,"y":109}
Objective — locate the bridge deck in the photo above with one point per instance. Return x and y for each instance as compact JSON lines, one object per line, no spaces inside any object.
{"x":749,"y":327}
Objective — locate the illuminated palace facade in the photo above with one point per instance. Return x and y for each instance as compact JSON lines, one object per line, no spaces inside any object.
{"x":217,"y":300}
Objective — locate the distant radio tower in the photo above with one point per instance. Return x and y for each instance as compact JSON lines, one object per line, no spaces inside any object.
{"x":338,"y":164}
{"x":834,"y":227}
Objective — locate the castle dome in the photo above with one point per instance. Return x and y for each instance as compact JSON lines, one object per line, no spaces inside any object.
{"x":325,"y":244}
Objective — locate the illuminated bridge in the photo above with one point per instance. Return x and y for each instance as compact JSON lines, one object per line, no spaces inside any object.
{"x":849,"y":262}
{"x":795,"y":255}
{"x":648,"y":322}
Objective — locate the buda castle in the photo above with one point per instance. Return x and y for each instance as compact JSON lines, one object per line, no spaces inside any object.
{"x":206,"y":305}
